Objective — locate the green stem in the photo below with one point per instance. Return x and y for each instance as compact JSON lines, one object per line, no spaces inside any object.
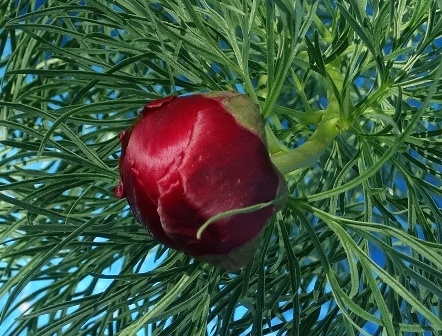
{"x":309,"y":152}
{"x":328,"y":128}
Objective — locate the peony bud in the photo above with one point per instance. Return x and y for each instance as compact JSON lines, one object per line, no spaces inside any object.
{"x":187,"y":160}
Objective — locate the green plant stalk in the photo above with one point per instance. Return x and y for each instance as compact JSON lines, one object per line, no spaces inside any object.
{"x":330,"y":125}
{"x":310,"y":151}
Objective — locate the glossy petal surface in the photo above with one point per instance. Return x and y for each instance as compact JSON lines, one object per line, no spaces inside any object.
{"x":186,"y":160}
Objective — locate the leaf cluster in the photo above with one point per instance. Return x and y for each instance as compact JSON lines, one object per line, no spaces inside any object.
{"x":357,"y":249}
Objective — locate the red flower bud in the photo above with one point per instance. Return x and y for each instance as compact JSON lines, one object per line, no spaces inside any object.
{"x":188,"y":159}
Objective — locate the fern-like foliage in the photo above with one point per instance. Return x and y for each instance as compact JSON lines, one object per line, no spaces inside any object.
{"x":357,"y":250}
